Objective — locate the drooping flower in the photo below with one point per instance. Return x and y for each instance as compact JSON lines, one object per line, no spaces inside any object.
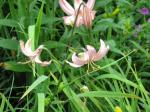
{"x":27,"y":50}
{"x":84,"y":16}
{"x":144,"y":11}
{"x":89,"y":55}
{"x":87,"y":18}
{"x":42,"y":63}
{"x":33,"y":55}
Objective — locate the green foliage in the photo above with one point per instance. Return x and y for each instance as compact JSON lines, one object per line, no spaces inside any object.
{"x":9,"y":44}
{"x":36,"y":83}
{"x":16,"y":66}
{"x":121,"y":79}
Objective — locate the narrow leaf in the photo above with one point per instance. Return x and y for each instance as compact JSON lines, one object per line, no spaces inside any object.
{"x":41,"y":99}
{"x":8,"y":22}
{"x":9,"y":44}
{"x":35,"y":83}
{"x":16,"y":67}
{"x":107,"y":94}
{"x":38,"y":24}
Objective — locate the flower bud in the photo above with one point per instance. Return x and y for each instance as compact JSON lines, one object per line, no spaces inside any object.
{"x":87,"y":17}
{"x":117,"y":109}
{"x":84,"y":89}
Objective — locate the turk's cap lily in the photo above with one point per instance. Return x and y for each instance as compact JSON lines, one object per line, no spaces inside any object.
{"x":27,"y":50}
{"x":34,"y":56}
{"x":42,"y":63}
{"x":69,"y":10}
{"x":89,"y":55}
{"x":83,"y":14}
{"x":79,"y":60}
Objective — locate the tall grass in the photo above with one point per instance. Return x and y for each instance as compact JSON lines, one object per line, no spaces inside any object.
{"x":120,"y":80}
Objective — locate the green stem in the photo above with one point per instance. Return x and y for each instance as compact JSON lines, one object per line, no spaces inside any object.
{"x":109,"y":33}
{"x":91,"y":39}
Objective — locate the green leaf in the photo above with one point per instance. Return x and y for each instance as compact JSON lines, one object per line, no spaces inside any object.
{"x":53,"y":44}
{"x":35,"y":83}
{"x":2,"y":104}
{"x":38,"y":24}
{"x":140,"y":48}
{"x":31,"y":33}
{"x":117,"y":77}
{"x":125,"y":2}
{"x":74,"y":99}
{"x":41,"y":99}
{"x":11,"y":109}
{"x":50,"y":20}
{"x":9,"y":44}
{"x":8,"y":22}
{"x":16,"y":67}
{"x":103,"y":24}
{"x":109,"y":94}
{"x":112,"y":45}
{"x":102,"y":3}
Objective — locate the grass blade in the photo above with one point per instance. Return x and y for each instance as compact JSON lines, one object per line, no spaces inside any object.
{"x":35,"y":83}
{"x":41,"y":99}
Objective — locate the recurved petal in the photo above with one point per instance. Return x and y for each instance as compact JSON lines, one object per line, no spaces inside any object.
{"x":42,"y":63}
{"x":91,"y":51}
{"x":66,"y":7}
{"x":73,"y":64}
{"x":45,"y":63}
{"x":102,"y":51}
{"x":82,"y":59}
{"x":23,"y":50}
{"x":77,"y":3}
{"x":90,"y":4}
{"x":37,"y":51}
{"x":27,"y":51}
{"x":28,"y":46}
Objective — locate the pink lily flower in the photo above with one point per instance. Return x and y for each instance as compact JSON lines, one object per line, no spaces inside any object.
{"x":42,"y":63}
{"x":33,"y":55}
{"x":85,"y":15}
{"x":27,"y":51}
{"x":89,"y":55}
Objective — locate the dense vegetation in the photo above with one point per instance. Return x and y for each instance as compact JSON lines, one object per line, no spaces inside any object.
{"x":118,"y":82}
